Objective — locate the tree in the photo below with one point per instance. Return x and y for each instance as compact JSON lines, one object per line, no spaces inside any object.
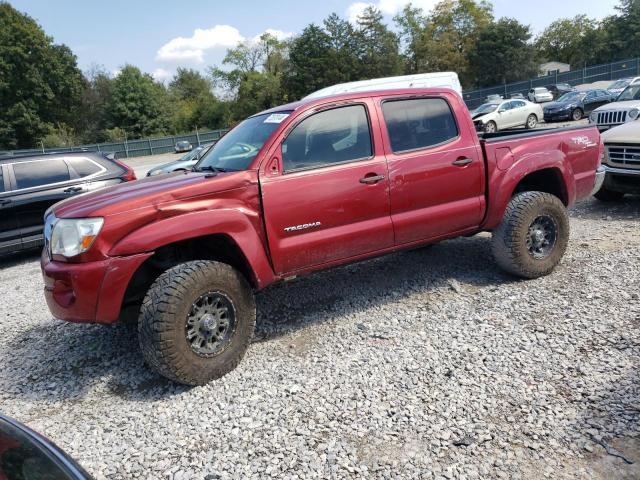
{"x":411,"y":24}
{"x":309,"y":55}
{"x":255,"y":81}
{"x":139,"y":105}
{"x":93,"y":118}
{"x":448,"y":36}
{"x":189,"y":84}
{"x":570,"y":40}
{"x":377,"y":46}
{"x":503,"y":53}
{"x":40,"y":83}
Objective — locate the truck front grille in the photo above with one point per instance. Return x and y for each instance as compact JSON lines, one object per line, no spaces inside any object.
{"x":612,"y":118}
{"x":626,"y":156}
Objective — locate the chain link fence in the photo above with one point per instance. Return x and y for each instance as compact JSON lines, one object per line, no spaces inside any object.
{"x":128,"y":149}
{"x":596,"y":73}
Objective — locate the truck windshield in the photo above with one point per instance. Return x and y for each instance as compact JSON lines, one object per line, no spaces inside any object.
{"x":632,"y":92}
{"x":237,"y":149}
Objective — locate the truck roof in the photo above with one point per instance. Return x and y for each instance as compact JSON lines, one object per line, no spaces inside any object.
{"x":355,"y":95}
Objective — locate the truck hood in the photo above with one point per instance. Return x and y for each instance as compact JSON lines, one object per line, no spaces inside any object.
{"x":151,"y":192}
{"x":626,"y":133}
{"x":617,"y":106}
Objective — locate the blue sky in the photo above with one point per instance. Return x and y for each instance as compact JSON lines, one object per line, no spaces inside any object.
{"x":158,"y":36}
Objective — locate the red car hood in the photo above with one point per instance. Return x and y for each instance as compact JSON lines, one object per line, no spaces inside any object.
{"x":151,"y":192}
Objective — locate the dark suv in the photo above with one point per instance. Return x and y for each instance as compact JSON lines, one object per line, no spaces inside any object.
{"x":30,"y":185}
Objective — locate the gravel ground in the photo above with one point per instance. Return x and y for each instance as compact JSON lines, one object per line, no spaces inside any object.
{"x":423,"y":364}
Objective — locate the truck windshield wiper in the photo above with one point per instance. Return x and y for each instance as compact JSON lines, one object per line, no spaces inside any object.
{"x":211,"y":168}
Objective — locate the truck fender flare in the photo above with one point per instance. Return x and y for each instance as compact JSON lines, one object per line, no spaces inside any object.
{"x":232,"y":223}
{"x":555,"y":160}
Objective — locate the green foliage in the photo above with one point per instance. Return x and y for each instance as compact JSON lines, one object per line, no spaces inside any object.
{"x":60,"y":136}
{"x":570,"y":40}
{"x":138,"y":104}
{"x":40,"y":83}
{"x":503,"y":53}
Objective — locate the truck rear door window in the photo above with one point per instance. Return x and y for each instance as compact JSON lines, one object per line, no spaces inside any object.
{"x":418,"y":123}
{"x":42,"y":172}
{"x":332,"y":136}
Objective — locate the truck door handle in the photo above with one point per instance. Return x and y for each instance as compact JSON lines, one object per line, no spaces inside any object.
{"x":372,"y":179}
{"x":461,"y":162}
{"x":72,"y":189}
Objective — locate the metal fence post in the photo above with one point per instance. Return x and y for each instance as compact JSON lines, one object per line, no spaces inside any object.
{"x":197,"y":135}
{"x":150,"y":147}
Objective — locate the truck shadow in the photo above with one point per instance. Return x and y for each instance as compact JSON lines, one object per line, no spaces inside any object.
{"x":83,"y":356}
{"x":626,"y":209}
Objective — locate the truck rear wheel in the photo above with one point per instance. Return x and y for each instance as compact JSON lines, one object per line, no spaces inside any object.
{"x":196,"y":322}
{"x":532,"y":236}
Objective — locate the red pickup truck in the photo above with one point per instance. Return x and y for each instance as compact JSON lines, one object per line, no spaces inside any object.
{"x":300,"y":188}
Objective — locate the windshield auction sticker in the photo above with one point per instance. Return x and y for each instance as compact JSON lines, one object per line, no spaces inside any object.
{"x":276,"y":117}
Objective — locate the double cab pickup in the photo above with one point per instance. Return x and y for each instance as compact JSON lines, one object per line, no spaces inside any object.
{"x":300,"y":188}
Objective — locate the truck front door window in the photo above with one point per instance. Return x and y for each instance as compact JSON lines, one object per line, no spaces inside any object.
{"x":333,"y":136}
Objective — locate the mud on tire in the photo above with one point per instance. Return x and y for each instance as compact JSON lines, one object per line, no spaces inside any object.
{"x":533,"y":235}
{"x":167,"y":316}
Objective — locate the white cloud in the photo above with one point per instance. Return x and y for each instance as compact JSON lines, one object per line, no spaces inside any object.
{"x":279,"y":34}
{"x":387,"y":7}
{"x":115,"y":72}
{"x":160,"y":74}
{"x":192,"y":48}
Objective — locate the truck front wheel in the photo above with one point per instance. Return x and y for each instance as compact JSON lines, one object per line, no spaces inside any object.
{"x":532,"y":236}
{"x":196,"y":322}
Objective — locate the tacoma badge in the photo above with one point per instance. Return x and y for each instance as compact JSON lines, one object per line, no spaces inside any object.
{"x":304,"y":226}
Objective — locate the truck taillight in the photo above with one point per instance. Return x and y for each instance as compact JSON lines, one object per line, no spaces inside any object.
{"x":129,"y":174}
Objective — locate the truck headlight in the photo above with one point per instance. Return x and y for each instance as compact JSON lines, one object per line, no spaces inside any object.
{"x":633,"y":113}
{"x":73,"y":236}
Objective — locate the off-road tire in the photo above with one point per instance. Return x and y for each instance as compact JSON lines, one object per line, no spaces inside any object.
{"x":531,"y":122}
{"x":491,"y":127}
{"x":163,"y":316}
{"x":509,"y":241}
{"x":606,"y":195}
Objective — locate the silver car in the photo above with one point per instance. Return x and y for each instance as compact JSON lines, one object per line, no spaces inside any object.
{"x":187,"y":162}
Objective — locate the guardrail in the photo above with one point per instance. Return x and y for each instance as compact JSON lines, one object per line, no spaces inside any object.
{"x":127,"y":149}
{"x":609,"y":71}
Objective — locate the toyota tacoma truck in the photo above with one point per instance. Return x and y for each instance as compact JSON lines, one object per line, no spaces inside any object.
{"x":300,"y":188}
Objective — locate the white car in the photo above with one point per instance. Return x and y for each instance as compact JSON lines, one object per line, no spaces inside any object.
{"x":491,"y":117}
{"x":540,"y":95}
{"x":621,"y":162}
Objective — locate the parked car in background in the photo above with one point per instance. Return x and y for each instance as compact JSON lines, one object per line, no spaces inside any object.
{"x":183,"y":146}
{"x":27,"y":455}
{"x":186,"y":162}
{"x":301,"y":188}
{"x":30,"y":185}
{"x":519,"y":96}
{"x":559,"y":89}
{"x":495,"y":116}
{"x":621,"y":162}
{"x":617,"y":87}
{"x":493,"y":98}
{"x":575,"y":105}
{"x":626,"y":108}
{"x":540,"y":95}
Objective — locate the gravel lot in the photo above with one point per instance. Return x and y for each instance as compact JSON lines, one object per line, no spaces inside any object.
{"x":424,"y":364}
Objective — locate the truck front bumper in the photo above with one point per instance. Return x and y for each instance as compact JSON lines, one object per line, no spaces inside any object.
{"x":600,"y":174}
{"x":89,"y":292}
